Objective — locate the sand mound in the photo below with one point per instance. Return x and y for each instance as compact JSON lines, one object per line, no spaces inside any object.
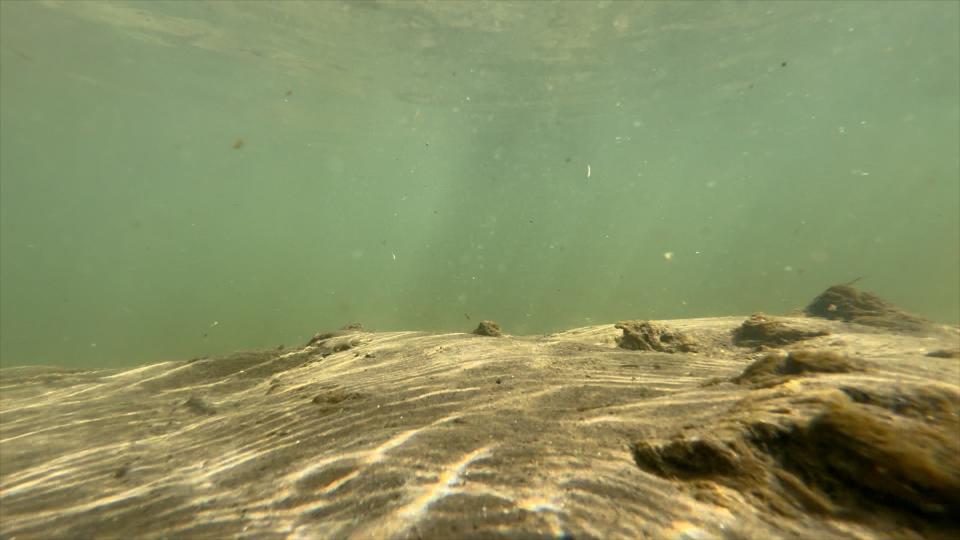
{"x":769,"y":427}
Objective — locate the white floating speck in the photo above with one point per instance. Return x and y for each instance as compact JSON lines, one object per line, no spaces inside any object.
{"x":588,"y":170}
{"x":668,"y":255}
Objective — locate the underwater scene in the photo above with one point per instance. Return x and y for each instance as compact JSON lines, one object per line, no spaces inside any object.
{"x":479,"y":270}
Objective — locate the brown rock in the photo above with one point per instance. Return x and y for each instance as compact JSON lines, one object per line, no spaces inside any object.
{"x":488,"y":328}
{"x":648,"y":336}
{"x":760,"y":329}
{"x":846,"y":303}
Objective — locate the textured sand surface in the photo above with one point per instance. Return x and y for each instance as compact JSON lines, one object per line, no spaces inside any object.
{"x":414,"y":435}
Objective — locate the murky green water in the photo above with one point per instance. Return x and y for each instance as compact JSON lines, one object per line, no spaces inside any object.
{"x":186,"y":178}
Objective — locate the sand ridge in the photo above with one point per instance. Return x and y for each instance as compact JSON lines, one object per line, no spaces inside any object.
{"x":570,"y":435}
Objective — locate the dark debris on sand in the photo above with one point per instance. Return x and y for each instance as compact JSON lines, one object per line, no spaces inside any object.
{"x":649,"y":336}
{"x":846,"y":303}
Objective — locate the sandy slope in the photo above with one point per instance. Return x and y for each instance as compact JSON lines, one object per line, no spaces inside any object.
{"x":795,"y":427}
